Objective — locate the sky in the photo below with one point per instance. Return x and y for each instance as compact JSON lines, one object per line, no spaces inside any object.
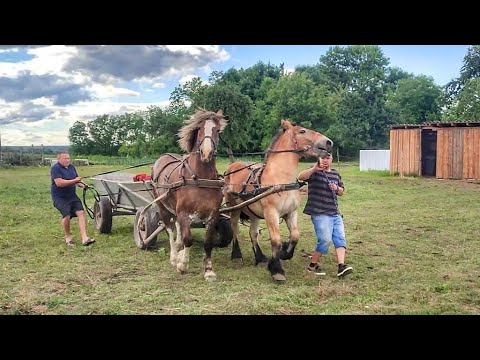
{"x":45,"y":89}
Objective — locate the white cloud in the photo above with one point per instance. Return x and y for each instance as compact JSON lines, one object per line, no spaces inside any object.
{"x":109,"y":91}
{"x":187,"y":78}
{"x":158,"y":85}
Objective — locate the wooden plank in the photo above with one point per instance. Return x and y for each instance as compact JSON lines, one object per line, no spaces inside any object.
{"x":459,"y":152}
{"x":476,"y":153}
{"x":393,"y":151}
{"x":449,"y":153}
{"x":467,"y":152}
{"x":418,"y":152}
{"x":439,"y":154}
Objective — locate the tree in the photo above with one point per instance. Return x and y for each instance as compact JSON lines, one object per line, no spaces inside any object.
{"x":468,"y":102}
{"x":80,"y":141}
{"x":470,"y":70}
{"x":415,"y":100}
{"x":239,"y":108}
{"x":297,"y":98}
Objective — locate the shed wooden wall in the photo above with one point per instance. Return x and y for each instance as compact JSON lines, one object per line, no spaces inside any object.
{"x":458,"y":153}
{"x":405,"y":152}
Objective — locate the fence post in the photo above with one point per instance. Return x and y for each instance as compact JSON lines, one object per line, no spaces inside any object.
{"x":338,"y":156}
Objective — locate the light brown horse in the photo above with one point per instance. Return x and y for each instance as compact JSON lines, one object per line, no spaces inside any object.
{"x":197,"y":195}
{"x":291,"y":143}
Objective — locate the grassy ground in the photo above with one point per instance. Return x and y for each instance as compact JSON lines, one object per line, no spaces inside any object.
{"x":414,"y":245}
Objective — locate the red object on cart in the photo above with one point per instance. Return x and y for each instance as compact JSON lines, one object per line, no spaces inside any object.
{"x":141,"y":177}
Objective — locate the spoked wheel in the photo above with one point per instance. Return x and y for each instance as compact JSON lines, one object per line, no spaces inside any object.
{"x":224,"y":234}
{"x":148,"y":223}
{"x":103,"y":215}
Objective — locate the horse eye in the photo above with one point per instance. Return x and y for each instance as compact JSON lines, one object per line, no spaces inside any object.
{"x":303,"y":131}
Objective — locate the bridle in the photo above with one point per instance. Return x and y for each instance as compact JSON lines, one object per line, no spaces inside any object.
{"x":199,"y":144}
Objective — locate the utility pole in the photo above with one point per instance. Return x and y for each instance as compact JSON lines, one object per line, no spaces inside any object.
{"x":1,"y":158}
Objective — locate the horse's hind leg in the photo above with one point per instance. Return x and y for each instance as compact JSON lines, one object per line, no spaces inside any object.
{"x":209,"y":275}
{"x":254,"y":232}
{"x":288,"y":248}
{"x":173,"y":248}
{"x":234,"y":219}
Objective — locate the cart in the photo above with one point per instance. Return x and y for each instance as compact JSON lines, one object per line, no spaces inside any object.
{"x":121,"y":195}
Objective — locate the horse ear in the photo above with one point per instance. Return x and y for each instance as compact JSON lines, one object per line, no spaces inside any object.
{"x":286,"y":124}
{"x":220,"y":112}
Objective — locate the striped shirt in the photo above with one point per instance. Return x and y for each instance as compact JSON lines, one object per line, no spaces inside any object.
{"x":321,"y":199}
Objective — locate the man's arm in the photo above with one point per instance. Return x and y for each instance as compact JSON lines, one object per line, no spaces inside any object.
{"x":62,"y":182}
{"x":305,"y":174}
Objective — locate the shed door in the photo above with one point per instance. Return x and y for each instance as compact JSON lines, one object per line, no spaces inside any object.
{"x":405,"y":152}
{"x":449,"y":153}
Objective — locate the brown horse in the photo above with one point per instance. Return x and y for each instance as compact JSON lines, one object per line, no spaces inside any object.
{"x":193,"y":191}
{"x":291,"y":143}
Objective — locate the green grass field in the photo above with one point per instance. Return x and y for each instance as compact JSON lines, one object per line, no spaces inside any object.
{"x":413,"y":242}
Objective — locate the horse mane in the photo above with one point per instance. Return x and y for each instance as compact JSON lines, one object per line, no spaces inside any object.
{"x":277,"y":136}
{"x":188,"y":133}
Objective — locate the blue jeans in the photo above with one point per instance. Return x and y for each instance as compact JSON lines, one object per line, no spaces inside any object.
{"x":329,"y":228}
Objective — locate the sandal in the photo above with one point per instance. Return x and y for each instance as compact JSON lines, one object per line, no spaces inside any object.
{"x":69,"y":242}
{"x":88,"y":242}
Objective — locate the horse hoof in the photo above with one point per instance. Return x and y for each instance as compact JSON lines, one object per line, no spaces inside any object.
{"x":279,"y":277}
{"x":210,"y":276}
{"x":182,"y":268}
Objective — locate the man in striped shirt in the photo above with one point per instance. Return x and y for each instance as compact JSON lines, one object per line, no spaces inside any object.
{"x":324,"y":185}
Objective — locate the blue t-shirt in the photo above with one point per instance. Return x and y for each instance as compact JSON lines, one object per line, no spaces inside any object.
{"x":67,"y":192}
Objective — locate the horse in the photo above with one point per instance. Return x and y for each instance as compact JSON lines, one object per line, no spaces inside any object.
{"x":243,"y":180}
{"x":189,"y":188}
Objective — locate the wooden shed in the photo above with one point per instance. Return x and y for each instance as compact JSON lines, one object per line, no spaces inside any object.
{"x":446,"y":150}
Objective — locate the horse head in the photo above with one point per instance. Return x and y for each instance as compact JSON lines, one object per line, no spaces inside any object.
{"x":201,"y":133}
{"x":307,"y":142}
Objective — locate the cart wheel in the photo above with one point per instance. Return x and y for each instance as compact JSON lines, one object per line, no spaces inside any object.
{"x":224,"y":233}
{"x":103,"y":215}
{"x":148,"y":224}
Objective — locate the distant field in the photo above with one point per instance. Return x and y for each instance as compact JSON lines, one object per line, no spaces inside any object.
{"x":414,"y":245}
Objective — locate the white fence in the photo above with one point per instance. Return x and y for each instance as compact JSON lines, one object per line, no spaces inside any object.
{"x":374,"y":160}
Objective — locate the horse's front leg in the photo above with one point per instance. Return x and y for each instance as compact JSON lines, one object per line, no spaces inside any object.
{"x":254,"y":232}
{"x":274,"y":264}
{"x":288,"y":248}
{"x":234,"y":219}
{"x":208,"y":274}
{"x":183,"y":257}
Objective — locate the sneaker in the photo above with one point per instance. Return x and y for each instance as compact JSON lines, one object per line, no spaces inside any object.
{"x":344,"y":269}
{"x":315,"y":269}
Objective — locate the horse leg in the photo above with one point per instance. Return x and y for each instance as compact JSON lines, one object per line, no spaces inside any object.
{"x":183,"y":257}
{"x":259,"y":256}
{"x":178,"y":241}
{"x":208,"y":274}
{"x":274,"y":264}
{"x":173,"y":248}
{"x":234,"y":219}
{"x":288,"y":248}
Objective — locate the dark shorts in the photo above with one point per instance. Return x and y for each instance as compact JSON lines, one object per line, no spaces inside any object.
{"x":68,"y":207}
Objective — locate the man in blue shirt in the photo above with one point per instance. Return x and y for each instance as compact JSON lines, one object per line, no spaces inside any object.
{"x":64,"y":180}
